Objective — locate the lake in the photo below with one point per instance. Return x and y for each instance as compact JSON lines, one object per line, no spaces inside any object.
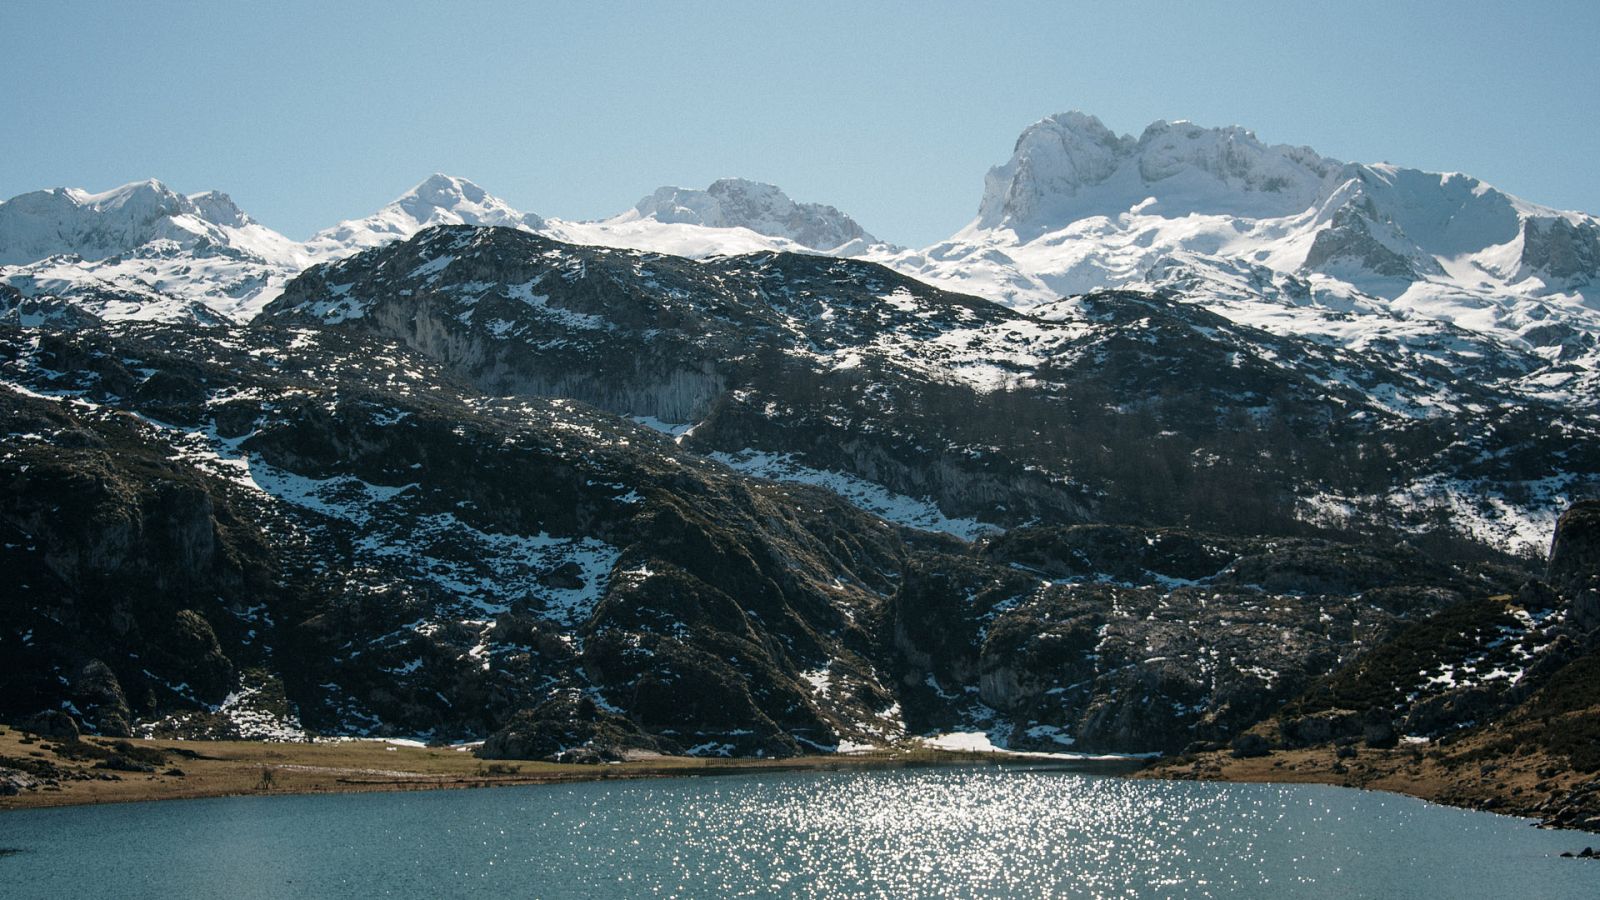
{"x":958,"y":832}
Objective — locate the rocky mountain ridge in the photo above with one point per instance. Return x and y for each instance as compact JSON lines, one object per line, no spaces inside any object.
{"x":485,"y":485}
{"x":835,"y":366}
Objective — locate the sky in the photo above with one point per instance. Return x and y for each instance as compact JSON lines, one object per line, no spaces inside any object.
{"x":309,"y":113}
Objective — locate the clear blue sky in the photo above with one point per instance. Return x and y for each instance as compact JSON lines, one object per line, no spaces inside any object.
{"x":308,"y":113}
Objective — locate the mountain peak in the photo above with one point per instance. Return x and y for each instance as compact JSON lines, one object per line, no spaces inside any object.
{"x":1075,"y":121}
{"x":440,"y":189}
{"x":755,"y":205}
{"x":443,"y":199}
{"x":1071,"y":166}
{"x":439,"y":199}
{"x":148,"y":195}
{"x":219,"y":208}
{"x":73,"y":221}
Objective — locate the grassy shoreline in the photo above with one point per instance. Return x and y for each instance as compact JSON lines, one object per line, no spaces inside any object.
{"x":1531,"y":786}
{"x":199,"y":769}
{"x":196,"y":769}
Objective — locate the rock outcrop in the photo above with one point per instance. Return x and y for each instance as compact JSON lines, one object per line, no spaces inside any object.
{"x":1574,"y":568}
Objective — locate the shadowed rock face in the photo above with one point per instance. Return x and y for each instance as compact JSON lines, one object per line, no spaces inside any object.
{"x":331,"y":520}
{"x":1575,"y":561}
{"x":412,"y":559}
{"x":1504,"y":691}
{"x":1349,"y":240}
{"x":1095,"y":634}
{"x":1562,"y":250}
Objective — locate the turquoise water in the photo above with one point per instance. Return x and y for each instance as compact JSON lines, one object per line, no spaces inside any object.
{"x":957,"y":832}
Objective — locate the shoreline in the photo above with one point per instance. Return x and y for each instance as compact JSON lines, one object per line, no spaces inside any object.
{"x":1528,"y":787}
{"x":84,"y":773}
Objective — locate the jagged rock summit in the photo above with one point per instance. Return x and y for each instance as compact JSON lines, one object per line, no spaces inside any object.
{"x":1078,"y":206}
{"x":1071,"y":166}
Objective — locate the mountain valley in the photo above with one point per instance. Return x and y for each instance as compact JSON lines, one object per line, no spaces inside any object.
{"x":1188,"y":445}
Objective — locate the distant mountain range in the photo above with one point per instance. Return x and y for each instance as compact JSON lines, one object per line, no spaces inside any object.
{"x":143,"y":251}
{"x":1273,"y":236}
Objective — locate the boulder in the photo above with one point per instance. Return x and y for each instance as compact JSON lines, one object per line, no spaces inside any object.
{"x":14,"y":782}
{"x":1449,"y":711}
{"x":1249,"y":745}
{"x":119,"y":763}
{"x":98,"y":692}
{"x":51,"y":723}
{"x":566,"y":576}
{"x":1377,"y":729}
{"x":1308,"y":731}
{"x":568,"y":727}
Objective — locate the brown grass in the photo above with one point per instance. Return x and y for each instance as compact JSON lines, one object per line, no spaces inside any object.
{"x":1472,"y":773}
{"x":231,"y":768}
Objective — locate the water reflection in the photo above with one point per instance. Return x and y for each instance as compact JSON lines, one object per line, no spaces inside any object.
{"x":946,"y":832}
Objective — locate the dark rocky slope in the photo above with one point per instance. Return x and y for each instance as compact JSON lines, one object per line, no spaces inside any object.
{"x":415,"y":499}
{"x":1112,"y":407}
{"x":1491,"y":702}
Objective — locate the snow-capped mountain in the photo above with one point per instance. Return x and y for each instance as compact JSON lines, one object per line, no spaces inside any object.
{"x":762,"y":208}
{"x":1275,"y":236}
{"x":732,"y":216}
{"x":438,"y":200}
{"x":425,"y":476}
{"x":68,"y":221}
{"x":145,"y":251}
{"x":1071,"y":167}
{"x":1082,"y":207}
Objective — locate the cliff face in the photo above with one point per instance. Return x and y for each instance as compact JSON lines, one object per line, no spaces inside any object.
{"x":120,"y":555}
{"x":1574,"y":568}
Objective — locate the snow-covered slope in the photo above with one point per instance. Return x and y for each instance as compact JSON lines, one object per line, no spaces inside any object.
{"x":685,"y":239}
{"x":762,"y":208}
{"x":731,"y":216}
{"x":143,"y":250}
{"x":1275,"y":236}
